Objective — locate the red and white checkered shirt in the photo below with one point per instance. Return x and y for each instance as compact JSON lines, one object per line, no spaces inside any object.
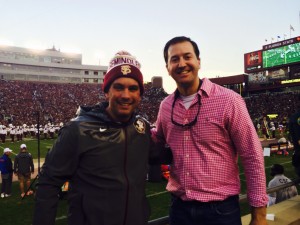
{"x":205,"y":155}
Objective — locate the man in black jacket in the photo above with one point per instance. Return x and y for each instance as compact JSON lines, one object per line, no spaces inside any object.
{"x":23,"y":168}
{"x":103,"y":153}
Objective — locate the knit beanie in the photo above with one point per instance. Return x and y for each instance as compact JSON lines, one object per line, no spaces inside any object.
{"x":123,"y":64}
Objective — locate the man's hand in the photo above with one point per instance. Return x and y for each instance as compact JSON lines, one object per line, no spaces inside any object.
{"x":258,"y":216}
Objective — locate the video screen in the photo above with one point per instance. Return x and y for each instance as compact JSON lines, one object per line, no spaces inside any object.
{"x":259,"y":78}
{"x":281,"y":55}
{"x":253,"y":61}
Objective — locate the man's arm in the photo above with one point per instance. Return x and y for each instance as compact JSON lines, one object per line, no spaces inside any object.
{"x":16,"y":165}
{"x":60,"y":163}
{"x":258,"y":216}
{"x":249,"y":148}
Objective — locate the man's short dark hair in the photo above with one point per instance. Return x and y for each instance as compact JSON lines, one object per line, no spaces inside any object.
{"x":177,"y":40}
{"x":277,"y":169}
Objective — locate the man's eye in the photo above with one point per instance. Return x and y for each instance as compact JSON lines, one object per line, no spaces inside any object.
{"x":187,"y":57}
{"x":133,"y":88}
{"x":174,"y":60}
{"x":118,"y":87}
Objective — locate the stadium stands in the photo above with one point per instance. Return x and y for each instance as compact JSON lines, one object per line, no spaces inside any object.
{"x":282,"y":103}
{"x":56,"y":103}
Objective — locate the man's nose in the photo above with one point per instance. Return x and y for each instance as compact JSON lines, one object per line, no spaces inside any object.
{"x":125,"y":93}
{"x":181,"y":63}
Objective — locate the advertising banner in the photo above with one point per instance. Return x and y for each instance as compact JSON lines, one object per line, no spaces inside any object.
{"x":258,"y":78}
{"x":253,"y":61}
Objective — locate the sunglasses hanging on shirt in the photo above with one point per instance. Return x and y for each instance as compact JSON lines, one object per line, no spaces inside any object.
{"x":194,"y":121}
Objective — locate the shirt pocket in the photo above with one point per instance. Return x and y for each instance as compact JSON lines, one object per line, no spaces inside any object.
{"x":211,"y":130}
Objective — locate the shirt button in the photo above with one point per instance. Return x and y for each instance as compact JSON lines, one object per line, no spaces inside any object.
{"x":187,"y":155}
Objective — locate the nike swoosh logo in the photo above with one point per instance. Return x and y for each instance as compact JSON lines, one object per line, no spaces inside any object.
{"x":102,"y":129}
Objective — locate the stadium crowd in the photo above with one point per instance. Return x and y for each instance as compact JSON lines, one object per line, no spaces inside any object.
{"x":21,"y":102}
{"x":24,"y":104}
{"x":284,"y":104}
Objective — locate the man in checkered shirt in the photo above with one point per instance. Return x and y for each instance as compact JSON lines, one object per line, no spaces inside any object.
{"x":207,"y":127}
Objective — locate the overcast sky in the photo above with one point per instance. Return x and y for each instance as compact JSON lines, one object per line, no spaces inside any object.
{"x":223,"y":29}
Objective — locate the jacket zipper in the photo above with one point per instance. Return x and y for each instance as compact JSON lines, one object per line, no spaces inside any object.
{"x":126,"y":176}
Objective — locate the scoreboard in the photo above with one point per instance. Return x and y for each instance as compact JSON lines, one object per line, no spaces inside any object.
{"x":278,"y":54}
{"x":279,"y":60}
{"x":284,"y":55}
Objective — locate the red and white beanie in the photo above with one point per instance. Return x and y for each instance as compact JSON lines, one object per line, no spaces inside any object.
{"x":123,"y":64}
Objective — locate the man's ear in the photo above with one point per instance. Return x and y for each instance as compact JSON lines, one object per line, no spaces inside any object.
{"x":106,"y":96}
{"x":168,"y":70}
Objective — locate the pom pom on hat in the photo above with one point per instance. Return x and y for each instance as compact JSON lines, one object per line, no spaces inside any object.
{"x":123,"y":64}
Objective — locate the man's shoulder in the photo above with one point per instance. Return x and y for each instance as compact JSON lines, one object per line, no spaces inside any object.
{"x":168,"y":100}
{"x":91,"y":113}
{"x":216,"y":90}
{"x":22,"y":154}
{"x":138,"y":116}
{"x":273,"y":182}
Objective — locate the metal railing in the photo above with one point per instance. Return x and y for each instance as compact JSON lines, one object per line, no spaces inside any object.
{"x":243,"y":198}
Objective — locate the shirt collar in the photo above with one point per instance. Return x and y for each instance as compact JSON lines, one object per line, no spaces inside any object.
{"x":206,"y":87}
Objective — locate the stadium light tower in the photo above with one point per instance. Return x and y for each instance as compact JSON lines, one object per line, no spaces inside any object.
{"x":242,"y":85}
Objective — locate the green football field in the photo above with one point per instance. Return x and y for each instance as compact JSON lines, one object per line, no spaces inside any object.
{"x":15,"y":211}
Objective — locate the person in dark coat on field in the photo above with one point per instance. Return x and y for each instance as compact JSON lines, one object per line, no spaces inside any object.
{"x":23,"y":168}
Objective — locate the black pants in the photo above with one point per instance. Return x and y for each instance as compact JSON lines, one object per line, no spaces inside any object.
{"x":6,"y":183}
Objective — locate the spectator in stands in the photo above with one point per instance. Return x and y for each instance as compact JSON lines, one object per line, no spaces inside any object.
{"x":282,"y":139}
{"x":207,"y":126}
{"x":23,"y":168}
{"x":273,"y":129}
{"x":265,"y":128}
{"x":277,"y":171}
{"x":103,"y":153}
{"x":294,"y":128}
